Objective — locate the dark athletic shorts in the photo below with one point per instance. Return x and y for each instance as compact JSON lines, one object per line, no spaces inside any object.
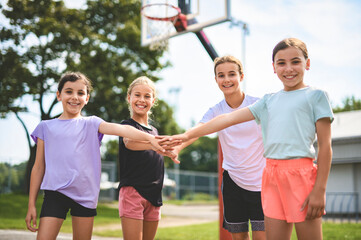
{"x":57,"y":205}
{"x":240,"y":206}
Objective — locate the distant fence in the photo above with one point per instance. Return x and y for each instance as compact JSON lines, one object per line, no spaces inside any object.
{"x":186,"y":184}
{"x":189,"y":183}
{"x":108,"y":178}
{"x":342,"y":206}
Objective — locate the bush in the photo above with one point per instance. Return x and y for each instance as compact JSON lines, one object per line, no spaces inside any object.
{"x":198,"y":197}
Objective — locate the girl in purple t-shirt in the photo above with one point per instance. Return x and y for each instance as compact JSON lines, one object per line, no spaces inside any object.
{"x":67,"y":165}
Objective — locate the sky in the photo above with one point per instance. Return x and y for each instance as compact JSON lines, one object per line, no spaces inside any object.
{"x":331,"y":30}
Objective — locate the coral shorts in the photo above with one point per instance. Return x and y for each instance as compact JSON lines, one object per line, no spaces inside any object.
{"x":133,"y":205}
{"x":285,"y":186}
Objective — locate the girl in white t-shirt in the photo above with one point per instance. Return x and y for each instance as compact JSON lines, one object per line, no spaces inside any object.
{"x":242,"y":149}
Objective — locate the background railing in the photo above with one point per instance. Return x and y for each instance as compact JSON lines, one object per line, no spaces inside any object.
{"x":191,"y":183}
{"x":188,"y":185}
{"x":342,"y":206}
{"x":178,"y":184}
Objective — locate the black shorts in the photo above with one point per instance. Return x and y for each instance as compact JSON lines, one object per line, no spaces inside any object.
{"x":57,"y":205}
{"x":240,"y":206}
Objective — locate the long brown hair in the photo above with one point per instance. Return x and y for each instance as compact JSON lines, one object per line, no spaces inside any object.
{"x":290,"y":42}
{"x":72,"y":77}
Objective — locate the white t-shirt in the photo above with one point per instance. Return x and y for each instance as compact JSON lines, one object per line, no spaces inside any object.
{"x":242,"y":147}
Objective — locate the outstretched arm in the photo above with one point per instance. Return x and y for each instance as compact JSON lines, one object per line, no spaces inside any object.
{"x":216,"y":124}
{"x":136,"y":145}
{"x":169,"y":147}
{"x":132,"y":133}
{"x":177,"y":149}
{"x":316,"y":199}
{"x":37,"y":174}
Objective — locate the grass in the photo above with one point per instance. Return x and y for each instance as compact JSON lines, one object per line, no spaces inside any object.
{"x":206,"y":231}
{"x":209,"y":231}
{"x":13,"y":209}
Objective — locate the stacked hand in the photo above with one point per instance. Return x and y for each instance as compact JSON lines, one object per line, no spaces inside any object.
{"x":180,"y":137}
{"x":169,"y":144}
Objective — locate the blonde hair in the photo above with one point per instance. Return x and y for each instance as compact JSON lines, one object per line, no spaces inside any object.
{"x":230,"y":59}
{"x":143,"y":80}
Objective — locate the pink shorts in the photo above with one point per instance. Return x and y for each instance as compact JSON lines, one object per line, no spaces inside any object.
{"x":133,"y":205}
{"x":285,"y":186}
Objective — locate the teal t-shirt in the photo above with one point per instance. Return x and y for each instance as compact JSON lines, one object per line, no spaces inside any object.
{"x":288,"y":120}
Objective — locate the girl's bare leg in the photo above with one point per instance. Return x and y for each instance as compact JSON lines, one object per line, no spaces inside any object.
{"x":309,"y":229}
{"x":132,"y":228}
{"x":149,"y":229}
{"x":82,"y":227}
{"x":49,"y":228}
{"x":240,"y":236}
{"x":277,"y":229}
{"x":258,"y":235}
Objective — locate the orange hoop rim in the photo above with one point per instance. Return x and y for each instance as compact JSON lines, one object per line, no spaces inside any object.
{"x":172,"y":18}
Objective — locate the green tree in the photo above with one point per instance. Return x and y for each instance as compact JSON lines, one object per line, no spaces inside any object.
{"x":111,"y":151}
{"x":20,"y":172}
{"x":202,"y":155}
{"x":162,"y":119}
{"x":9,"y":178}
{"x":42,"y":39}
{"x":349,"y":104}
{"x":4,"y":173}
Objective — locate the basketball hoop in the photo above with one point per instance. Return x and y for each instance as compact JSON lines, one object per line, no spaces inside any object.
{"x":161,"y":18}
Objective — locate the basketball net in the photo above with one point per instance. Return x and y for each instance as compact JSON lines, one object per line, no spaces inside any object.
{"x":160,"y":32}
{"x":160,"y":18}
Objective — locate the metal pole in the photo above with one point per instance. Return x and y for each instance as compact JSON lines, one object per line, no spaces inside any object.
{"x":176,"y":91}
{"x":206,"y":44}
{"x":245,"y":32}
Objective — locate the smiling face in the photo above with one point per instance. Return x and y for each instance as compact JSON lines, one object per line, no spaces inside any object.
{"x":73,"y":97}
{"x":290,"y":65}
{"x":141,"y":99}
{"x":228,"y":78}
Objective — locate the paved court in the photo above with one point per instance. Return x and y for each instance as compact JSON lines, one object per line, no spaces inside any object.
{"x":26,"y":235}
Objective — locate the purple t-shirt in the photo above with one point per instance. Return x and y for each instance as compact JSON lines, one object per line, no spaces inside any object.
{"x":72,"y":157}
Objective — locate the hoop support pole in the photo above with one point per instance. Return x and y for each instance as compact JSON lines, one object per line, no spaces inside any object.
{"x":206,"y":44}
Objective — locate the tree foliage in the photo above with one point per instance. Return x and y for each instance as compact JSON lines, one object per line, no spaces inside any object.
{"x":349,"y":104}
{"x":202,"y":155}
{"x":42,"y":39}
{"x":11,"y":177}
